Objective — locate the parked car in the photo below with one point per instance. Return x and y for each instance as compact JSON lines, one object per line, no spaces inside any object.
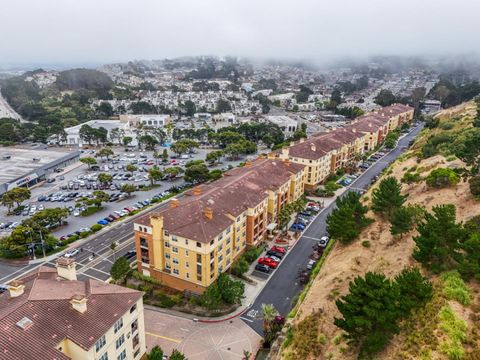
{"x":274,"y":258}
{"x":262,"y":268}
{"x":271,"y":253}
{"x":269,"y":262}
{"x":278,"y":249}
{"x":323,"y":242}
{"x":102,"y":222}
{"x":311,"y":263}
{"x":71,"y":253}
{"x":297,"y":227}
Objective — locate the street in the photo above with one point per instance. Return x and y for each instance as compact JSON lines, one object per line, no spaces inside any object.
{"x":283,"y":285}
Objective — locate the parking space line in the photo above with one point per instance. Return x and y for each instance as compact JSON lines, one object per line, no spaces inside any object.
{"x":312,"y":238}
{"x":163,"y":337}
{"x":249,"y":320}
{"x":93,"y":277}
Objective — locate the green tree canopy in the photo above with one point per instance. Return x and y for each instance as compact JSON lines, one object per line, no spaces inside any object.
{"x":348,"y":219}
{"x":387,"y":196}
{"x":120,"y":269}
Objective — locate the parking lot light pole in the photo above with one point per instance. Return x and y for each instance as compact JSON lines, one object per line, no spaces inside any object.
{"x":41,"y":240}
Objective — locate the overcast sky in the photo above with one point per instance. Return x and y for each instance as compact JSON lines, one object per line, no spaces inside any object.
{"x":102,"y":31}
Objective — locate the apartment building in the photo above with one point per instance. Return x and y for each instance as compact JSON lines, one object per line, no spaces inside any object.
{"x":327,"y":152}
{"x":49,"y":314}
{"x":188,"y":244}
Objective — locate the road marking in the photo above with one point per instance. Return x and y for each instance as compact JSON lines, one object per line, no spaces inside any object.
{"x":163,"y":337}
{"x":312,"y":238}
{"x":249,"y":320}
{"x":93,"y":277}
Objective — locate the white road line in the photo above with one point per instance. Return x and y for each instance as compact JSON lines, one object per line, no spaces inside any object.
{"x":312,"y":238}
{"x":93,"y":277}
{"x":241,"y":317}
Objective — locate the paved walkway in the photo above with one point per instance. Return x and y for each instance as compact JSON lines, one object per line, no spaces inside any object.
{"x":219,"y":341}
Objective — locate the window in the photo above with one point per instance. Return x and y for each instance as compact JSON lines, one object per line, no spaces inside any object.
{"x":228,"y":261}
{"x":118,"y":325}
{"x":220,"y":248}
{"x":119,"y":342}
{"x":220,"y":258}
{"x":175,"y":271}
{"x":174,"y":249}
{"x":167,"y":244}
{"x":228,"y":251}
{"x":104,"y":356}
{"x":133,"y":308}
{"x":228,"y":230}
{"x":165,"y":232}
{"x":175,"y":261}
{"x":174,"y":238}
{"x":212,"y":242}
{"x":228,"y":241}
{"x":199,"y":244}
{"x":220,"y":268}
{"x":100,"y":343}
{"x":187,"y":264}
{"x":187,"y":275}
{"x":134,"y":326}
{"x":135,"y":341}
{"x":167,"y":266}
{"x":186,"y":242}
{"x":167,"y":255}
{"x":199,"y":258}
{"x":123,"y":355}
{"x":238,"y":228}
{"x":186,"y":252}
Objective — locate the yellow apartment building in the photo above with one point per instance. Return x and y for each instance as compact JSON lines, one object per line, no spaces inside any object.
{"x":197,"y":237}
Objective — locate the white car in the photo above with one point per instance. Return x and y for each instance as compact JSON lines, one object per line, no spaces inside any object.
{"x":76,"y":213}
{"x":71,"y":253}
{"x":323,"y":241}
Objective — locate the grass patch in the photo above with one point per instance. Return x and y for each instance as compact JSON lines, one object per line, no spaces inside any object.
{"x":455,"y":330}
{"x":454,"y":288}
{"x":91,"y":210}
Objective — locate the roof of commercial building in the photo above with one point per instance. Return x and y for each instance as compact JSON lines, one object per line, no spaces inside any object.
{"x":51,"y":318}
{"x":238,"y":190}
{"x":17,"y":162}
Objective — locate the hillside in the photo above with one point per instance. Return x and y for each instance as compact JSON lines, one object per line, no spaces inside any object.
{"x":424,"y":335}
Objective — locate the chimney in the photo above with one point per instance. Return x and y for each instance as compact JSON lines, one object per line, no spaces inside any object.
{"x":286,"y":161}
{"x":261,"y":157}
{"x":208,"y":213}
{"x":369,"y":125}
{"x":302,"y":140}
{"x":173,"y":203}
{"x":79,"y":303}
{"x":313,"y":147}
{"x":66,"y":268}
{"x":197,"y":190}
{"x":354,"y":130}
{"x":16,"y":288}
{"x":292,"y":143}
{"x":248,"y":163}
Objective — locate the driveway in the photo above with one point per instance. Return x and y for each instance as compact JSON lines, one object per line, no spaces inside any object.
{"x":214,"y":341}
{"x":283,"y":285}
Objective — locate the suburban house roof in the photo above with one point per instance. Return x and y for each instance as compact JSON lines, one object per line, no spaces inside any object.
{"x":35,"y":322}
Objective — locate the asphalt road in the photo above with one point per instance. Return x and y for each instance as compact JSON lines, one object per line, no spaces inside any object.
{"x":283,"y":285}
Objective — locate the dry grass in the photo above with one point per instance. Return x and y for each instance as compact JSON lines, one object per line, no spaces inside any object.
{"x":390,"y":255}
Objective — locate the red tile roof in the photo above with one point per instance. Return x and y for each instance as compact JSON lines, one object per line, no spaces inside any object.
{"x":46,"y":302}
{"x":238,"y":190}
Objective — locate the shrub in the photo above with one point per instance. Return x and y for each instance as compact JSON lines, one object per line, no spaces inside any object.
{"x":324,"y":193}
{"x":96,"y":227}
{"x":240,"y":266}
{"x":440,"y":178}
{"x":84,"y":234}
{"x":410,"y":178}
{"x":454,"y":288}
{"x":71,"y":239}
{"x":366,"y":243}
{"x":474,"y":183}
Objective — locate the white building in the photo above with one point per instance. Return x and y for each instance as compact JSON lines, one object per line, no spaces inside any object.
{"x":157,"y":121}
{"x":287,"y":124}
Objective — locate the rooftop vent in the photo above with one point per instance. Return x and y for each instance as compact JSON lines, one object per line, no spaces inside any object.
{"x":24,"y":323}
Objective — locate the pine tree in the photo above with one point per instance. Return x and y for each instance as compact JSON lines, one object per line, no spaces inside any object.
{"x":370,"y":312}
{"x":439,"y":239}
{"x":347,"y":221}
{"x":387,"y":197}
{"x":470,"y":263}
{"x":401,"y":221}
{"x":414,"y":289}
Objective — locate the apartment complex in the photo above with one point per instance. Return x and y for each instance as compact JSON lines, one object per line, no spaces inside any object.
{"x":49,"y":314}
{"x":187,"y":245}
{"x":325,"y":153}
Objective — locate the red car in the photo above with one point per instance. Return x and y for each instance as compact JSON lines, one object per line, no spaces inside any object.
{"x":269,"y":262}
{"x":278,"y":249}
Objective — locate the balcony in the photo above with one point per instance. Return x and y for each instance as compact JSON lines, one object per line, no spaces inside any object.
{"x":144,"y":244}
{"x":145,"y":260}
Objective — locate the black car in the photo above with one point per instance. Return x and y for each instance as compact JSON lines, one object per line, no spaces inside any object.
{"x":262,"y":268}
{"x":275,"y":253}
{"x":130,"y":254}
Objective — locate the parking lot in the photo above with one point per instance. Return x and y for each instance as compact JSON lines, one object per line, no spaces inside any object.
{"x":66,"y":188}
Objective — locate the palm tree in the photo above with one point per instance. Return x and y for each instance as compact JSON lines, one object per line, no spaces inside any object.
{"x":113,"y":247}
{"x":246,"y":355}
{"x":269,"y":313}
